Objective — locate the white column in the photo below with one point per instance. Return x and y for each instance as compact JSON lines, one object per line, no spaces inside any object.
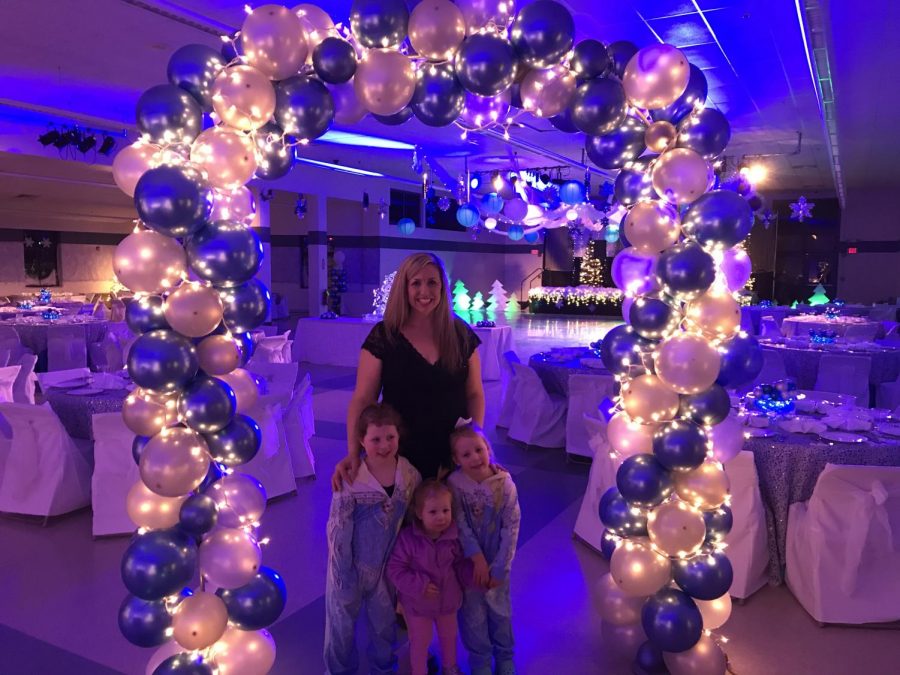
{"x":261,"y":225}
{"x":317,"y":249}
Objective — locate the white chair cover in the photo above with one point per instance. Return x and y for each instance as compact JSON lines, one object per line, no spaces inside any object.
{"x":272,"y":464}
{"x":845,"y":374}
{"x":507,"y":389}
{"x":5,"y":355}
{"x":114,"y":474}
{"x":42,"y":471}
{"x":63,"y":377}
{"x":8,"y":377}
{"x":747,"y":545}
{"x":865,"y":332}
{"x":107,"y":356}
{"x":773,"y":370}
{"x":296,"y":417}
{"x":588,"y":527}
{"x":272,"y":349}
{"x":100,"y":311}
{"x":888,"y":395}
{"x":843,"y":546}
{"x":769,"y":328}
{"x":9,"y":339}
{"x":23,"y":388}
{"x":66,"y":347}
{"x":586,"y":392}
{"x":117,"y":310}
{"x":540,"y":417}
{"x":280,"y":378}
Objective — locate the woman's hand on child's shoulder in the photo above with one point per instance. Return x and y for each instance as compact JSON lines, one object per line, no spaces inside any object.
{"x":345,"y":472}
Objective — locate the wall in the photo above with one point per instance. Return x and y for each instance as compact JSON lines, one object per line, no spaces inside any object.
{"x":871,"y":225}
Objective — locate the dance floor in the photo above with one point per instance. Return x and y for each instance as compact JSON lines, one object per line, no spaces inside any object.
{"x":61,"y":589}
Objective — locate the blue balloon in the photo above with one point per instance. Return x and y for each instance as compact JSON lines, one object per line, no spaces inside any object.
{"x":590,"y":59}
{"x":719,"y":219}
{"x":631,"y":185}
{"x":620,"y":54}
{"x":225,"y":253}
{"x":650,"y":660}
{"x":145,"y":314}
{"x":718,"y":523}
{"x":207,"y":404}
{"x":685,"y":271}
{"x":618,"y":516}
{"x":334,"y":60}
{"x":275,"y":157}
{"x":162,"y":361}
{"x":379,"y":23}
{"x":257,"y":604}
{"x":598,"y":106}
{"x":671,"y":621}
{"x":621,"y":350}
{"x":144,"y":622}
{"x":173,"y":200}
{"x":485,"y":64}
{"x":515,"y":232}
{"x":693,"y":96}
{"x":137,"y":448}
{"x":406,"y":226}
{"x":653,"y":318}
{"x":620,"y":146}
{"x":608,"y":543}
{"x":708,"y":407}
{"x":159,"y":563}
{"x":247,"y":346}
{"x":183,"y":664}
{"x":707,"y":133}
{"x":542,"y":33}
{"x":169,"y":114}
{"x":563,"y":122}
{"x":213,"y":474}
{"x":643,"y":481}
{"x":492,"y":203}
{"x":303,"y":107}
{"x":396,"y":119}
{"x":246,"y":306}
{"x":742,"y":361}
{"x":198,"y":514}
{"x":439,"y":97}
{"x":680,"y":446}
{"x":237,"y":443}
{"x":706,"y":576}
{"x":193,"y":68}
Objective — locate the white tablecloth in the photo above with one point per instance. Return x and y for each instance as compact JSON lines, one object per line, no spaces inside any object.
{"x":494,"y":343}
{"x":801,"y":325}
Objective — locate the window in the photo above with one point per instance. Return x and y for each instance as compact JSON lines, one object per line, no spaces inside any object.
{"x":405,"y":204}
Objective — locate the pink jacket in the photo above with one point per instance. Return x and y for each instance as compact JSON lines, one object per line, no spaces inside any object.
{"x":418,"y":560}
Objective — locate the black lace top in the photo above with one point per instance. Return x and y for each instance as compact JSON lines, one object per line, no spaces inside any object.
{"x":428,"y":397}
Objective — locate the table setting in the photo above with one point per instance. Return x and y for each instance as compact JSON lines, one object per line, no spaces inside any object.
{"x":77,"y":399}
{"x":839,"y":324}
{"x":554,"y":367}
{"x":802,"y":355}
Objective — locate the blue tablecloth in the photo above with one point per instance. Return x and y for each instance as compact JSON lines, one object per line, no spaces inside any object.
{"x":75,"y":412}
{"x":802,"y":363}
{"x":555,"y":367}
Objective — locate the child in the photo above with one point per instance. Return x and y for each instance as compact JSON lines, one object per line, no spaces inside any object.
{"x":487,"y":511}
{"x":362,"y":527}
{"x":424,"y":568}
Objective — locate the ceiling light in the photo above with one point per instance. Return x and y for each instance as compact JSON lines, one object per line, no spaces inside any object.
{"x":338,"y":167}
{"x":49,"y":137}
{"x":86,"y":143}
{"x":363,"y":140}
{"x":107,"y":146}
{"x":755,"y":173}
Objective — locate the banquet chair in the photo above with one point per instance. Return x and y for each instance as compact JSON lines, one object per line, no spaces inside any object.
{"x":8,"y":375}
{"x":276,"y":349}
{"x":5,"y":356}
{"x":747,"y":321}
{"x":891,"y":329}
{"x":106,"y":356}
{"x":272,"y":464}
{"x":773,"y":370}
{"x":845,"y":374}
{"x":280,"y":378}
{"x":747,"y":543}
{"x":99,"y":311}
{"x":115,"y":472}
{"x":843,"y":546}
{"x":585,"y":395}
{"x":865,"y":332}
{"x":117,"y":310}
{"x":888,"y":395}
{"x":298,"y":429}
{"x":540,"y":417}
{"x":66,"y":347}
{"x":588,"y":527}
{"x":769,"y":328}
{"x":11,"y":342}
{"x":44,"y":473}
{"x":507,"y":389}
{"x":23,"y":387}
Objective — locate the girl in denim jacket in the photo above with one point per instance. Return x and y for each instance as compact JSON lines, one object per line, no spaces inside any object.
{"x":362,"y":527}
{"x":487,"y":512}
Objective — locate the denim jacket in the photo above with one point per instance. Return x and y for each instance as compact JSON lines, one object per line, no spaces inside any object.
{"x":488,"y":517}
{"x":363,"y":525}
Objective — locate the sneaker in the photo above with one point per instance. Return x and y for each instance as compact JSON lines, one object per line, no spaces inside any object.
{"x":505,"y":668}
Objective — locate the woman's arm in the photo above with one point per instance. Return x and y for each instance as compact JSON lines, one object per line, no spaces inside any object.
{"x":475,"y":390}
{"x":368,"y":385}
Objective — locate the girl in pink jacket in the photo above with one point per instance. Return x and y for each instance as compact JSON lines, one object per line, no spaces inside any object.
{"x":425,"y":568}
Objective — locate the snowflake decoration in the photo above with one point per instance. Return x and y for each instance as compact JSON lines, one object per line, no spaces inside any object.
{"x":45,"y":242}
{"x":444,"y":203}
{"x":768,"y":217}
{"x":29,"y":242}
{"x":801,"y":209}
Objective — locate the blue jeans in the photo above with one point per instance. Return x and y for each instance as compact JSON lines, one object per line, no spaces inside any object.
{"x":485,"y":626}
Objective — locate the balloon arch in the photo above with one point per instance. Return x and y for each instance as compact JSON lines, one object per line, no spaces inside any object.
{"x":191,"y":262}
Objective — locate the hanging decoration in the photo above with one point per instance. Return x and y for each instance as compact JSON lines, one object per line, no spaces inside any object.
{"x":801,"y":209}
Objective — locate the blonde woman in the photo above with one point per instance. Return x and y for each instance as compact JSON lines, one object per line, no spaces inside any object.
{"x":423,"y":361}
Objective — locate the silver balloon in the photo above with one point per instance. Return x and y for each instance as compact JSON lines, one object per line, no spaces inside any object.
{"x":385,"y":81}
{"x":149,"y":262}
{"x":174,"y":462}
{"x":229,"y":557}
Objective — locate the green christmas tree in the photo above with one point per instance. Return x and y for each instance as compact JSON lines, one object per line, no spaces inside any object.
{"x":461,"y":300}
{"x":477,"y":302}
{"x":818,"y":297}
{"x":591,"y":271}
{"x":512,"y":307}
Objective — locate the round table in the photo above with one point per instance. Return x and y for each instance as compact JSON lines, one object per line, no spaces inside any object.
{"x":75,"y":412}
{"x":802,"y":362}
{"x":557,"y":366}
{"x":801,"y":325}
{"x":33,"y":335}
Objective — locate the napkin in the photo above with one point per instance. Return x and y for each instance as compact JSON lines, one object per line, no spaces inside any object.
{"x":107,"y":381}
{"x":803,"y":425}
{"x":848,"y":421}
{"x":806,"y":404}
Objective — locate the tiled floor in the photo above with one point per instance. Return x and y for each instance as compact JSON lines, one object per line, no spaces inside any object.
{"x":60,"y":590}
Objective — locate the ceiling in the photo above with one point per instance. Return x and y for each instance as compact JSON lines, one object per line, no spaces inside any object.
{"x":91,"y":61}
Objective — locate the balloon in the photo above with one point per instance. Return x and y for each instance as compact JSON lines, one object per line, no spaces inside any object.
{"x":162,"y":361}
{"x":589,"y":59}
{"x":273,"y":41}
{"x":144,"y":622}
{"x":244,"y":387}
{"x":198,"y":514}
{"x":687,"y":363}
{"x":659,"y":136}
{"x":652,"y":227}
{"x":672,"y":621}
{"x":618,"y":147}
{"x":727,"y":438}
{"x":737,"y":268}
{"x":704,"y":658}
{"x":229,"y":557}
{"x":681,"y":176}
{"x":638,"y":570}
{"x":183,"y":664}
{"x":481,"y":111}
{"x":628,"y":437}
{"x":158,"y":563}
{"x":174,"y":462}
{"x":546,"y":93}
{"x":706,"y":576}
{"x":137,"y":448}
{"x":632,"y":186}
{"x":225,"y":156}
{"x":334,"y":60}
{"x":478,"y":13}
{"x":146,"y":414}
{"x":385,"y":81}
{"x":316,"y":22}
{"x":617,"y":515}
{"x":485,"y":64}
{"x":680,"y":446}
{"x":439,"y":96}
{"x":173,"y":200}
{"x":193,"y":309}
{"x":199,"y":620}
{"x":621,"y":350}
{"x":708,"y":407}
{"x":258,"y":603}
{"x":718,"y":524}
{"x":716,"y":314}
{"x":676,"y":529}
{"x":168,"y":114}
{"x":615,"y":606}
{"x":653,"y":318}
{"x":241,"y":652}
{"x":194,"y":68}
{"x":243,"y":98}
{"x":685,"y":271}
{"x":237,"y":443}
{"x":656,"y":76}
{"x":608,"y":543}
{"x":215,"y":473}
{"x":742,"y":361}
{"x":719,"y":219}
{"x":620,"y":54}
{"x":225,"y":253}
{"x":396,"y":119}
{"x":303,"y":107}
{"x":347,"y":108}
{"x":149,"y":510}
{"x":515,"y":209}
{"x":632,"y":271}
{"x":218,"y":354}
{"x":207,"y":404}
{"x":246,"y":306}
{"x":241,"y":499}
{"x":643,"y":481}
{"x":706,"y":132}
{"x":145,"y":313}
{"x":563,"y":122}
{"x":436,"y":29}
{"x":621,"y":642}
{"x":598,"y":106}
{"x":238,"y":204}
{"x":542,"y":33}
{"x":379,"y":23}
{"x":162,"y":655}
{"x":647,"y":399}
{"x":715,"y":612}
{"x":705,"y":487}
{"x":132,"y":162}
{"x":694,"y":97}
{"x":649,"y":660}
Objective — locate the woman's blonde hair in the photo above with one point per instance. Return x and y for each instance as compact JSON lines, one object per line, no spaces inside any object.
{"x":397,"y":311}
